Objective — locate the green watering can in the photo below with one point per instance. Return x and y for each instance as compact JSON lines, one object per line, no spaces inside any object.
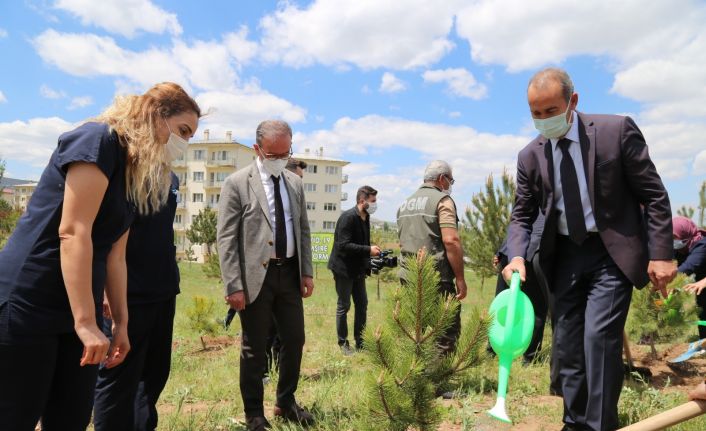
{"x":510,"y":334}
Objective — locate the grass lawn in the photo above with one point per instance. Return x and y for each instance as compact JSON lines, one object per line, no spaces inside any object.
{"x":202,"y":393}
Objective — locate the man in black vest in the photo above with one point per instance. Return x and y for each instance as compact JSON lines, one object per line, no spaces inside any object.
{"x":350,"y":264}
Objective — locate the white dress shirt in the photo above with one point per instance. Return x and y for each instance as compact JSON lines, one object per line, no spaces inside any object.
{"x":575,"y":152}
{"x":269,"y":186}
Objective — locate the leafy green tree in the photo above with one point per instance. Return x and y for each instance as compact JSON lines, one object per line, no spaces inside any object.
{"x":8,"y":220}
{"x":485,"y":224}
{"x":408,"y":367}
{"x":203,"y":230}
{"x":2,"y":169}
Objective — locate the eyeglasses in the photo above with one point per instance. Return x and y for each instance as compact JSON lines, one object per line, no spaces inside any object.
{"x":281,"y":156}
{"x":450,"y":180}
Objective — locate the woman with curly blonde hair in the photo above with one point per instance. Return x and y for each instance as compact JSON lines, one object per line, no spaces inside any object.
{"x":70,"y":245}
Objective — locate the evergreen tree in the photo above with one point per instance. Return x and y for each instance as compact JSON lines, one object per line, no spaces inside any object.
{"x":203,"y":230}
{"x":408,"y":366}
{"x":486,"y":224}
{"x":686,"y":211}
{"x":702,"y":205}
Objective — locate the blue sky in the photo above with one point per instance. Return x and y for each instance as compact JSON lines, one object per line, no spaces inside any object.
{"x":387,"y":86}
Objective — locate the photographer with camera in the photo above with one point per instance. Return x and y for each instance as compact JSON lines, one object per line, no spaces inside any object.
{"x":428,"y":219}
{"x":350,"y":264}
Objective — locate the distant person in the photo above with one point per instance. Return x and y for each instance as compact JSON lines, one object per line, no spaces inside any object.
{"x":428,"y":219}
{"x":350,"y":264}
{"x":297,"y":166}
{"x":126,"y":396}
{"x":264,"y":246}
{"x":588,"y":175}
{"x":690,"y":251}
{"x":69,"y":246}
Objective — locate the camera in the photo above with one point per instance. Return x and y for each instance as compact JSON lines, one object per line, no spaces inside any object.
{"x":384,"y":260}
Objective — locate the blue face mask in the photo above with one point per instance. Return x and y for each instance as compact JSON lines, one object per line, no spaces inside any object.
{"x":679,"y":244}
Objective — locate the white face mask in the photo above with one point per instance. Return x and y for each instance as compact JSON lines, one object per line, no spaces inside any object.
{"x":274,"y":167}
{"x":176,"y":145}
{"x":372,"y":207}
{"x":553,"y":127}
{"x":448,"y":191}
{"x":679,"y":244}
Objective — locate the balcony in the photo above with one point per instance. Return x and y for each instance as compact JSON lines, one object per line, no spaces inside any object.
{"x":179,"y":163}
{"x":344,"y":196}
{"x":344,"y":178}
{"x":215,"y":184}
{"x":212,"y":205}
{"x":181,"y":205}
{"x":227,"y":163}
{"x":179,"y":227}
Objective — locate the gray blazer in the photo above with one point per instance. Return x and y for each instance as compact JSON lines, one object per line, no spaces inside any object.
{"x":245,"y":236}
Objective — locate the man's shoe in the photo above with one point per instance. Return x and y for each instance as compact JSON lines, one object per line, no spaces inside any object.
{"x":294,"y":413}
{"x":346,"y":350}
{"x":568,"y":427}
{"x":257,"y":423}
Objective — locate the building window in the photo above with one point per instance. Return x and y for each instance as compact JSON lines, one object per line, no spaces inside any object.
{"x":330,"y":206}
{"x":182,"y":179}
{"x":311,"y":206}
{"x":331,"y":188}
{"x":309,"y":187}
{"x":177,"y":219}
{"x":329,"y":225}
{"x":193,"y":218}
{"x":198,"y":176}
{"x":332,"y":170}
{"x":312,"y":225}
{"x":215,"y":198}
{"x":197,"y":197}
{"x":219,"y":155}
{"x":198,"y":154}
{"x":311,"y":169}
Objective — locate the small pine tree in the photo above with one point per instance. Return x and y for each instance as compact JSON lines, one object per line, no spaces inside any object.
{"x":203,"y":229}
{"x":201,"y":318}
{"x":686,"y":211}
{"x":212,"y":266}
{"x":486,"y":224}
{"x":408,"y":365}
{"x":702,"y":205}
{"x":653,"y":319}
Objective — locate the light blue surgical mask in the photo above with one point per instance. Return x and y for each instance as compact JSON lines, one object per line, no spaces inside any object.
{"x":553,"y":127}
{"x":679,"y":244}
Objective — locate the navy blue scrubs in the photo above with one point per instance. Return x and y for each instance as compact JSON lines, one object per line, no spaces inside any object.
{"x":126,"y":396}
{"x":39,"y":350}
{"x":694,"y":263}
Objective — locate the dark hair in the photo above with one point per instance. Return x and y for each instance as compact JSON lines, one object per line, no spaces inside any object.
{"x":553,"y":74}
{"x":364,"y":193}
{"x":293,"y":164}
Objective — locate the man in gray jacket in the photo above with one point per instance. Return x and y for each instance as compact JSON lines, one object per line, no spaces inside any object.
{"x":265,"y":254}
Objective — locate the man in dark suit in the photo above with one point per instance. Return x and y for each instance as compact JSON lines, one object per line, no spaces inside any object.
{"x":264,"y":247}
{"x":350,"y":264}
{"x":589,"y":175}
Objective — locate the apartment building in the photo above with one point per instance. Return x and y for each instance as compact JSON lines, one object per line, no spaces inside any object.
{"x":209,"y":161}
{"x":17,"y":192}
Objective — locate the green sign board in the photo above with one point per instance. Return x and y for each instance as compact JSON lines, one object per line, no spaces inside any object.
{"x":321,"y":246}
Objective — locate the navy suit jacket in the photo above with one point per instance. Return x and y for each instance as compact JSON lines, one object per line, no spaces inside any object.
{"x":629,"y":202}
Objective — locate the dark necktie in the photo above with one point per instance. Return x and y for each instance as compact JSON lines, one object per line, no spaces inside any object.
{"x":572,"y":194}
{"x":280,"y":227}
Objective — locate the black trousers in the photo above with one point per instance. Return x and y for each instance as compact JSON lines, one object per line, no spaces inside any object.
{"x":126,"y":396}
{"x":41,"y":377}
{"x":272,"y":348}
{"x":534,"y":291}
{"x":345,"y":288}
{"x":591,"y":300}
{"x":280,"y":297}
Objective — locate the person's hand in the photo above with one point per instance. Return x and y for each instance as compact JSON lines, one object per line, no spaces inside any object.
{"x":698,"y":393}
{"x":461,"y":289}
{"x":697,"y":287}
{"x":374,"y":250}
{"x":236,"y":300}
{"x":95,"y":343}
{"x":307,"y":286}
{"x":496,"y":261}
{"x":517,"y":264}
{"x":118,"y":348}
{"x":661,"y":272}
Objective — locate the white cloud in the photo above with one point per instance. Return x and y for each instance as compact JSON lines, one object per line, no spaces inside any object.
{"x":3,"y":99}
{"x":365,"y":33}
{"x":459,"y":82}
{"x":238,"y":45}
{"x":241,"y":110}
{"x":31,"y":141}
{"x":699,"y":167}
{"x":80,"y":102}
{"x":391,"y":84}
{"x":49,"y":93}
{"x":208,"y":65}
{"x":3,"y":33}
{"x":124,"y":17}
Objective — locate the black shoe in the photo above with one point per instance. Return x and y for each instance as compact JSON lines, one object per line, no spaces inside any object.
{"x":346,"y":350}
{"x":294,"y":413}
{"x":568,"y":427}
{"x":257,"y":423}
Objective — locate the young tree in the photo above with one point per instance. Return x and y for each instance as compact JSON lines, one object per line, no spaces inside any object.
{"x":486,"y":224}
{"x":409,"y":368}
{"x":203,"y":230}
{"x":686,"y":211}
{"x":8,"y":220}
{"x":702,"y":205}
